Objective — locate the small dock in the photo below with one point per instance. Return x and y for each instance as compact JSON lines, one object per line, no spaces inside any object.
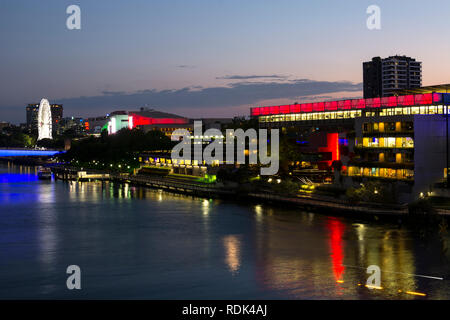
{"x":75,"y":174}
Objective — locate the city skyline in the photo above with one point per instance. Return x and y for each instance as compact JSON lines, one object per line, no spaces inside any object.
{"x":204,"y":58}
{"x":224,"y":154}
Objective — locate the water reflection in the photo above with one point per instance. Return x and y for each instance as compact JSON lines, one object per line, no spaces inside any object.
{"x":205,"y":207}
{"x":232,"y":246}
{"x":336,"y":230}
{"x":48,"y":238}
{"x":191,"y":247}
{"x":350,"y":251}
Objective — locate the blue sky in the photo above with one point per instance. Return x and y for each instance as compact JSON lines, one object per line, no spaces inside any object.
{"x":205,"y":58}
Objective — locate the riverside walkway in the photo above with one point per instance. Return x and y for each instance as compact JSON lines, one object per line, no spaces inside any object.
{"x":173,"y":184}
{"x":323,"y":203}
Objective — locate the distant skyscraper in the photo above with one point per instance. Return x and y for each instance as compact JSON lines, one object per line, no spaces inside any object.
{"x":383,"y":76}
{"x":372,"y":78}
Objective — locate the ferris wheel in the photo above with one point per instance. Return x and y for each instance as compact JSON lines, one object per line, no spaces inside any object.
{"x":44,"y":120}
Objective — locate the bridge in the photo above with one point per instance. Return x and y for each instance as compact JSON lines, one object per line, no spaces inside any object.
{"x":28,"y":153}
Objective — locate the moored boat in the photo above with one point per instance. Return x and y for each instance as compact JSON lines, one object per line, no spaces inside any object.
{"x":44,"y":174}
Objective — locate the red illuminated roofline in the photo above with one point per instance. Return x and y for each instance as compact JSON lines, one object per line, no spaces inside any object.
{"x":355,"y":104}
{"x":138,"y":120}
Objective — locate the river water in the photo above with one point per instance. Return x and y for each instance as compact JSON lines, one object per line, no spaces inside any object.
{"x":132,"y":242}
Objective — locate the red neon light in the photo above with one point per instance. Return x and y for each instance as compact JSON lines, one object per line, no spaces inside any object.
{"x":332,"y":147}
{"x":406,"y":100}
{"x":376,"y":102}
{"x":256,"y":111}
{"x":274,"y":110}
{"x":331,"y":105}
{"x":306,"y":107}
{"x":437,"y":97}
{"x":284,"y":109}
{"x":423,"y":99}
{"x":318,"y":106}
{"x":139,"y":120}
{"x":389,"y":101}
{"x":393,"y":101}
{"x":358,"y":104}
{"x":334,"y":105}
{"x":295,"y":108}
{"x":347,"y":104}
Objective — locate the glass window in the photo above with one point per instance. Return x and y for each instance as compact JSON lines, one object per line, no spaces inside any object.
{"x":365,"y":142}
{"x":390,"y":142}
{"x":391,"y":126}
{"x":373,"y":142}
{"x":365,"y":127}
{"x":409,"y":143}
{"x":415,"y":110}
{"x":375,"y":127}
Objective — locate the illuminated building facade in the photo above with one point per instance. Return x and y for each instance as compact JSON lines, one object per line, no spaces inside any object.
{"x":148,"y":120}
{"x":187,"y":167}
{"x":117,"y":122}
{"x":397,"y":138}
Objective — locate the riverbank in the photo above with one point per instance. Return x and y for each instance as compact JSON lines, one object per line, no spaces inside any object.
{"x":218,"y":190}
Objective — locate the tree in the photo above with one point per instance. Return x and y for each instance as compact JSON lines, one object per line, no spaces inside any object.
{"x":14,"y":137}
{"x":289,"y":153}
{"x":372,"y":191}
{"x":124,"y":145}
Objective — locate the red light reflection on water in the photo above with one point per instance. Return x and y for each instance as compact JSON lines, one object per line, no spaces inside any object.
{"x":336,"y":230}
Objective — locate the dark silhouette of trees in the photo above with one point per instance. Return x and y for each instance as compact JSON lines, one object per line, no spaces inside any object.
{"x":122,"y":146}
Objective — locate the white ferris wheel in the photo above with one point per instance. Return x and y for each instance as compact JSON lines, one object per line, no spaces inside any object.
{"x":44,"y":120}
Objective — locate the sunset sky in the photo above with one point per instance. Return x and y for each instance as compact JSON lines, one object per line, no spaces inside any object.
{"x":206,"y":57}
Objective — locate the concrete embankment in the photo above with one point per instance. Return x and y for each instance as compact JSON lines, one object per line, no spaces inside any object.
{"x":325,"y":205}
